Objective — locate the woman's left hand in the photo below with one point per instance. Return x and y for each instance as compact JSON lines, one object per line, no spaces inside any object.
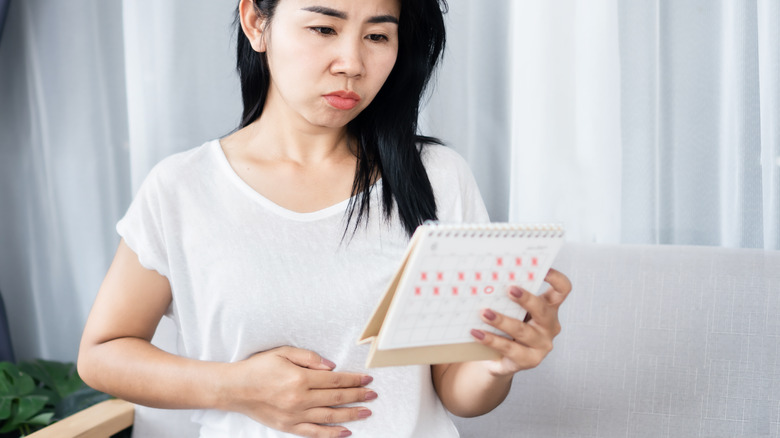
{"x":532,"y":340}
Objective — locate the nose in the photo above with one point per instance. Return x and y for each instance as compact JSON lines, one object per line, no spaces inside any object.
{"x":348,"y":58}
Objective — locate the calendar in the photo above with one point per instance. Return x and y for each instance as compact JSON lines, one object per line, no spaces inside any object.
{"x":448,"y":275}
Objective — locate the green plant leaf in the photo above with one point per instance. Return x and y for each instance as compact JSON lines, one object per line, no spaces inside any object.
{"x":5,"y":407}
{"x":16,"y":388}
{"x":48,"y":393}
{"x":9,"y":426}
{"x":29,"y":407}
{"x":41,"y":419}
{"x":8,"y":373}
{"x":14,"y":381}
{"x":60,"y":377}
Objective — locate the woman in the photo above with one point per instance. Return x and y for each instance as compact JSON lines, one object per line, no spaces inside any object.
{"x":270,"y":247}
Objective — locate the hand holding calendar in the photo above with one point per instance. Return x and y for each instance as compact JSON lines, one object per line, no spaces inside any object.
{"x":449,"y":274}
{"x":531,"y":341}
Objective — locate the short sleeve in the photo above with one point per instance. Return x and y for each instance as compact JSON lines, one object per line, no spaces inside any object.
{"x":474,"y":210}
{"x":142,"y":225}
{"x":458,"y":199}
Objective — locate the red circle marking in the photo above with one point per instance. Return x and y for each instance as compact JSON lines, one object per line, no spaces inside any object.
{"x":488,"y":290}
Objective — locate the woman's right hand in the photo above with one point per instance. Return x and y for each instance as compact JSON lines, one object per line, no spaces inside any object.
{"x":295,"y":391}
{"x":286,"y":388}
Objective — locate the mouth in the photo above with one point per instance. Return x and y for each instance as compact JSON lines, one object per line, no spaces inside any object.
{"x":343,"y":100}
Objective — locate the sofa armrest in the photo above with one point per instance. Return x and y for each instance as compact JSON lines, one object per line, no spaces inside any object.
{"x":99,"y":421}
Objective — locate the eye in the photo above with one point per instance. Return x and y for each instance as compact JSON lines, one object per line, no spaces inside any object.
{"x":377,"y":38}
{"x":322,"y":30}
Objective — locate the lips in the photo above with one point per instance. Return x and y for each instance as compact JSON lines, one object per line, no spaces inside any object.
{"x":343,"y":100}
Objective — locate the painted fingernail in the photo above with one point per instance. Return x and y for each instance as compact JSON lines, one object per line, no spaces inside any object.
{"x":477,"y":334}
{"x":489,"y":315}
{"x":516,"y":292}
{"x":370,"y":395}
{"x":345,"y":433}
{"x":364,"y":413}
{"x":328,"y":364}
{"x":365,"y":380}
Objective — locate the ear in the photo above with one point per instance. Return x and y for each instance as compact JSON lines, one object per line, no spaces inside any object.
{"x":252,"y":24}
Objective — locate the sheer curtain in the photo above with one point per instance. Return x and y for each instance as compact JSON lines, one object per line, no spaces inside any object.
{"x":63,"y":166}
{"x":701,"y":122}
{"x":637,"y":122}
{"x":92,"y":95}
{"x":644,"y":122}
{"x":181,"y":85}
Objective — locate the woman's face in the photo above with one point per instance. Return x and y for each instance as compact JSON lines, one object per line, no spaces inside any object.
{"x":329,"y":58}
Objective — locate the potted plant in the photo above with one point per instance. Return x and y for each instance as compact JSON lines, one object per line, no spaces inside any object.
{"x":34,"y":394}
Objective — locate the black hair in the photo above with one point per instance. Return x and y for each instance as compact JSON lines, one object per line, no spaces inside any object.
{"x":386,"y":131}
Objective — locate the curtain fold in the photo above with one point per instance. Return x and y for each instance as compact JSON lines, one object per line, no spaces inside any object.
{"x":63,"y":167}
{"x":565,"y":145}
{"x":693,"y":132}
{"x":469,"y":107}
{"x":646,"y":122}
{"x":768,"y":19}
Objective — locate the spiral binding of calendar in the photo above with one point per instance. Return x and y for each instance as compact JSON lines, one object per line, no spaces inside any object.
{"x":495,"y":229}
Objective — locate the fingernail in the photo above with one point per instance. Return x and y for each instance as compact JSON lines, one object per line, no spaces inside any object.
{"x":345,"y":433}
{"x":365,"y":380}
{"x":364,"y":413}
{"x":329,"y":364}
{"x":370,"y":395}
{"x":477,"y":334}
{"x":489,"y":315}
{"x":516,"y":292}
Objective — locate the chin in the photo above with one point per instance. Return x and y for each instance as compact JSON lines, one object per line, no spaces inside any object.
{"x":334,"y":120}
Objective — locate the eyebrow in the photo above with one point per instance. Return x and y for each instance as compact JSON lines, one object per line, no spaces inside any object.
{"x":342,"y":15}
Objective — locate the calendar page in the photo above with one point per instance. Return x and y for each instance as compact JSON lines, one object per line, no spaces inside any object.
{"x":452,"y":272}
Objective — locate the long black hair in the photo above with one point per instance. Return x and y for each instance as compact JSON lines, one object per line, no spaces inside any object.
{"x":386,"y":131}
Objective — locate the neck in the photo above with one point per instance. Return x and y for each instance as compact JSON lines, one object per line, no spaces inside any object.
{"x":280,"y":134}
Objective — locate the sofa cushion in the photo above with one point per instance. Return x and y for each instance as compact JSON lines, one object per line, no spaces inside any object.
{"x":657,"y":341}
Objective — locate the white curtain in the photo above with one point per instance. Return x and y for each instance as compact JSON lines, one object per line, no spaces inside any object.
{"x":92,"y":95}
{"x":634,"y":122}
{"x":63,"y":166}
{"x":181,"y":85}
{"x":700,"y":115}
{"x":630,"y":122}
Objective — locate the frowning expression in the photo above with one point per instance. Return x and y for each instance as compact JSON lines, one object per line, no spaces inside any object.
{"x":329,"y":58}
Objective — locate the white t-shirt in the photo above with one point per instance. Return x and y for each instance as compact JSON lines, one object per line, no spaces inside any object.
{"x":248,"y":275}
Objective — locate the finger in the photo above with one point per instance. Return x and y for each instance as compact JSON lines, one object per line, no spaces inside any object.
{"x":522,"y":355}
{"x":338,"y":397}
{"x":332,"y":379}
{"x":521,"y":332}
{"x":318,"y":431}
{"x":542,"y":313}
{"x":561,"y":287}
{"x":305,"y":358}
{"x":335,"y":415}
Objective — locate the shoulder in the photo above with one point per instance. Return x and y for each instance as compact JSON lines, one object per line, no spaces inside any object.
{"x":454,"y":187}
{"x":445,"y":167}
{"x":439,"y":158}
{"x":183,"y":167}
